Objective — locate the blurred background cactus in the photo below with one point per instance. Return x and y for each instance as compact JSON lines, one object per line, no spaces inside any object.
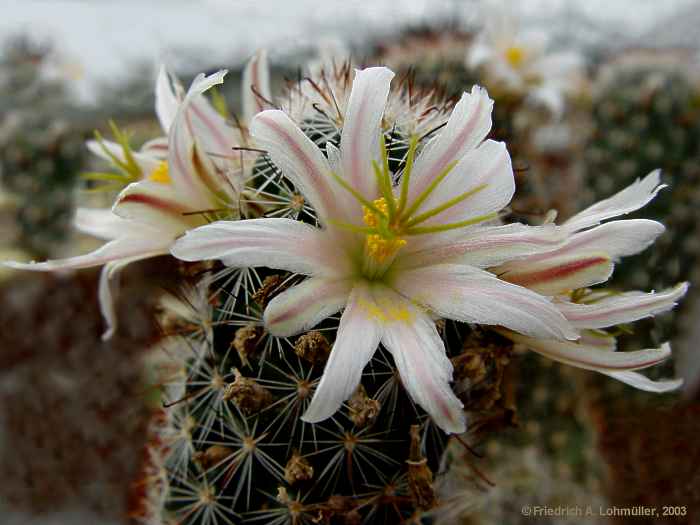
{"x":646,"y":116}
{"x":41,"y":153}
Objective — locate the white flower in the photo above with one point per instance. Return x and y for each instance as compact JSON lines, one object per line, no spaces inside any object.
{"x":392,"y":256}
{"x":587,"y":258}
{"x":150,"y":214}
{"x":519,"y":61}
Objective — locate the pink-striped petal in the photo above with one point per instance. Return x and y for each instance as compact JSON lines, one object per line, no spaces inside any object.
{"x":622,"y":308}
{"x":616,"y":239}
{"x":472,"y":295}
{"x":299,"y":159}
{"x":255,"y":89}
{"x":555,"y":275}
{"x":483,"y":247}
{"x":425,"y":370}
{"x":642,"y":382}
{"x":158,"y":205}
{"x":357,"y":340}
{"x":626,"y":201}
{"x":359,"y":140}
{"x":467,"y":127}
{"x":282,"y":244}
{"x":189,"y":168}
{"x":305,"y":305}
{"x":489,"y":167}
{"x":593,"y":358}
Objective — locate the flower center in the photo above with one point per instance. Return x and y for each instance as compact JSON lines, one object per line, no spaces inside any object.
{"x":515,"y":56}
{"x":383,"y":245}
{"x":160,"y":173}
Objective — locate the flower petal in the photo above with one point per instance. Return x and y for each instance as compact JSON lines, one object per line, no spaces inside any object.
{"x":305,"y":305}
{"x":359,"y":140}
{"x":554,"y":275}
{"x":116,"y":250}
{"x":283,"y":244}
{"x":105,"y":294}
{"x":193,"y":181}
{"x":167,"y":101}
{"x":145,"y":160}
{"x":158,"y":205}
{"x":357,"y":340}
{"x":102,"y":223}
{"x":468,"y":125}
{"x":487,"y":166}
{"x":642,"y":382}
{"x":298,"y":157}
{"x":255,"y":87}
{"x":483,"y":247}
{"x":593,"y":358}
{"x":622,"y":308}
{"x":472,"y":295}
{"x":616,"y":239}
{"x":630,"y":199}
{"x":425,"y":370}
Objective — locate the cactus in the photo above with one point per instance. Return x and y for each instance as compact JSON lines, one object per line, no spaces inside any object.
{"x":230,"y":444}
{"x":647,"y":119}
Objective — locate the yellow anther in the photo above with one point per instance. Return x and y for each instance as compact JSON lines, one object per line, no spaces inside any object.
{"x":515,"y":56}
{"x":160,"y":173}
{"x":381,"y":249}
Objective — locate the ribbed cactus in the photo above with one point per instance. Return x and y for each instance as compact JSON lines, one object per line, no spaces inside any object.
{"x":645,"y":119}
{"x":40,"y":155}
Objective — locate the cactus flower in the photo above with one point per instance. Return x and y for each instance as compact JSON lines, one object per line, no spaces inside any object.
{"x":587,"y":258}
{"x":393,"y":251}
{"x":150,"y":214}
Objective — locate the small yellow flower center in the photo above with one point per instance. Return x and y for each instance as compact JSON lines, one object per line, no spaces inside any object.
{"x":160,"y":173}
{"x":515,"y":56}
{"x":384,"y":244}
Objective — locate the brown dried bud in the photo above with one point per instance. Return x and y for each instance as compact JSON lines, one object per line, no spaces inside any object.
{"x":212,"y":455}
{"x":271,"y":286}
{"x":298,"y":469}
{"x":246,"y":341}
{"x":363,"y":409}
{"x":480,"y":369}
{"x":247,"y":394}
{"x":420,"y":477}
{"x":313,"y":347}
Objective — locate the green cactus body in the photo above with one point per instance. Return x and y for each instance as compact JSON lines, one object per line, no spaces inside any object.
{"x":646,"y":119}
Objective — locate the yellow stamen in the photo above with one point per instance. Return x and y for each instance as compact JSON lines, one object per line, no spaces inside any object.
{"x":515,"y":56}
{"x":160,"y":173}
{"x":384,"y":244}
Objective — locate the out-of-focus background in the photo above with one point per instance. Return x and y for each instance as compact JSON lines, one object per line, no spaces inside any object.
{"x":74,"y":410}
